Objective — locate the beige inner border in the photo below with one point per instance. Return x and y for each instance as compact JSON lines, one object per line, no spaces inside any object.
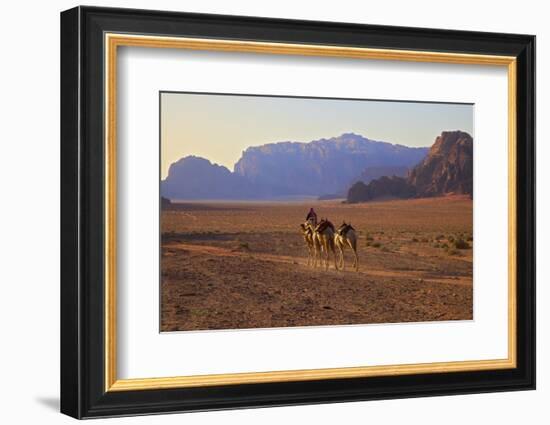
{"x":113,"y":41}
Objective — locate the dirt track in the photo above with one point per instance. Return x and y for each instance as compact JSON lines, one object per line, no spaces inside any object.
{"x":243,"y":265}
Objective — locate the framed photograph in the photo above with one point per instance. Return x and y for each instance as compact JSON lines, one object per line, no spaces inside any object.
{"x":261,"y":212}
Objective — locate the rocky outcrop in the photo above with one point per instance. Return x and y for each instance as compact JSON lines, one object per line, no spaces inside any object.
{"x":380,"y":189}
{"x":165,"y":203}
{"x":372,"y":173}
{"x":447,"y":169}
{"x":197,"y":178}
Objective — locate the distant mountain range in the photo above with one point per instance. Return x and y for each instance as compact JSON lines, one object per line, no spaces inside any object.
{"x":321,"y":166}
{"x":291,"y":169}
{"x":195,"y":178}
{"x":447,"y":169}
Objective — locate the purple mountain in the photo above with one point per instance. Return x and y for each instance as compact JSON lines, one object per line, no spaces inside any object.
{"x":289,"y":169}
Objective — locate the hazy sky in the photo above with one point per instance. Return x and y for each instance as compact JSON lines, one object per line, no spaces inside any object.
{"x":220,"y":127}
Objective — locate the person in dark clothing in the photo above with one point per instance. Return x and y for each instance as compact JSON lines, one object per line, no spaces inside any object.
{"x":311,"y":216}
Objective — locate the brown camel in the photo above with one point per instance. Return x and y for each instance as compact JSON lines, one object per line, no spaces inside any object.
{"x":346,"y":236}
{"x":324,"y":232}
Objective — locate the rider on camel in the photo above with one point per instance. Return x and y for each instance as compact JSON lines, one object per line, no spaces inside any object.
{"x":311,"y":216}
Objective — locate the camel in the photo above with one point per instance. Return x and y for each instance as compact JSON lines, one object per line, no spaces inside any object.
{"x":312,"y":242}
{"x":346,"y":236}
{"x":324,"y":233}
{"x":309,"y":239}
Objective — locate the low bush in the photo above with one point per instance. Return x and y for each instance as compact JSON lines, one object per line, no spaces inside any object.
{"x":461,"y":244}
{"x":453,"y":251}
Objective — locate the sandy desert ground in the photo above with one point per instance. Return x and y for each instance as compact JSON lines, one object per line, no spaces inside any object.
{"x":235,"y":265}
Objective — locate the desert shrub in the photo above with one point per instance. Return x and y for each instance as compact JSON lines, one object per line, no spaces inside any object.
{"x":367,"y":243}
{"x":424,"y":240}
{"x":453,"y":251}
{"x":451,"y":238}
{"x":414,"y":240}
{"x":470,"y":238}
{"x":439,"y":237}
{"x":385,"y":249}
{"x":376,"y":244}
{"x":436,"y":245}
{"x":444,"y":245}
{"x":461,"y":244}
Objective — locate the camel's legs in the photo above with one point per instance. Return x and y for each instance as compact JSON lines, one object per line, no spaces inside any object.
{"x":353,"y":245}
{"x":340,"y":247}
{"x":341,"y":252}
{"x":327,"y":256}
{"x":334,"y":254}
{"x":317,"y":254}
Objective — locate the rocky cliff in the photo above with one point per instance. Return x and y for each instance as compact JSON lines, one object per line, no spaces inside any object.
{"x":193,"y":177}
{"x":321,"y":166}
{"x":383,"y":188}
{"x":447,"y":169}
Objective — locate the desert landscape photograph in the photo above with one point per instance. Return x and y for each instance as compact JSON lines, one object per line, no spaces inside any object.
{"x":292,"y":211}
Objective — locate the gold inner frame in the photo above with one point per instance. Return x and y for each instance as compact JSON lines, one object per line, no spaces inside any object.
{"x":113,"y":41}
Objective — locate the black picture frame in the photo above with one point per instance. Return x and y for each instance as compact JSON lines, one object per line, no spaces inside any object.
{"x":83,"y":392}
